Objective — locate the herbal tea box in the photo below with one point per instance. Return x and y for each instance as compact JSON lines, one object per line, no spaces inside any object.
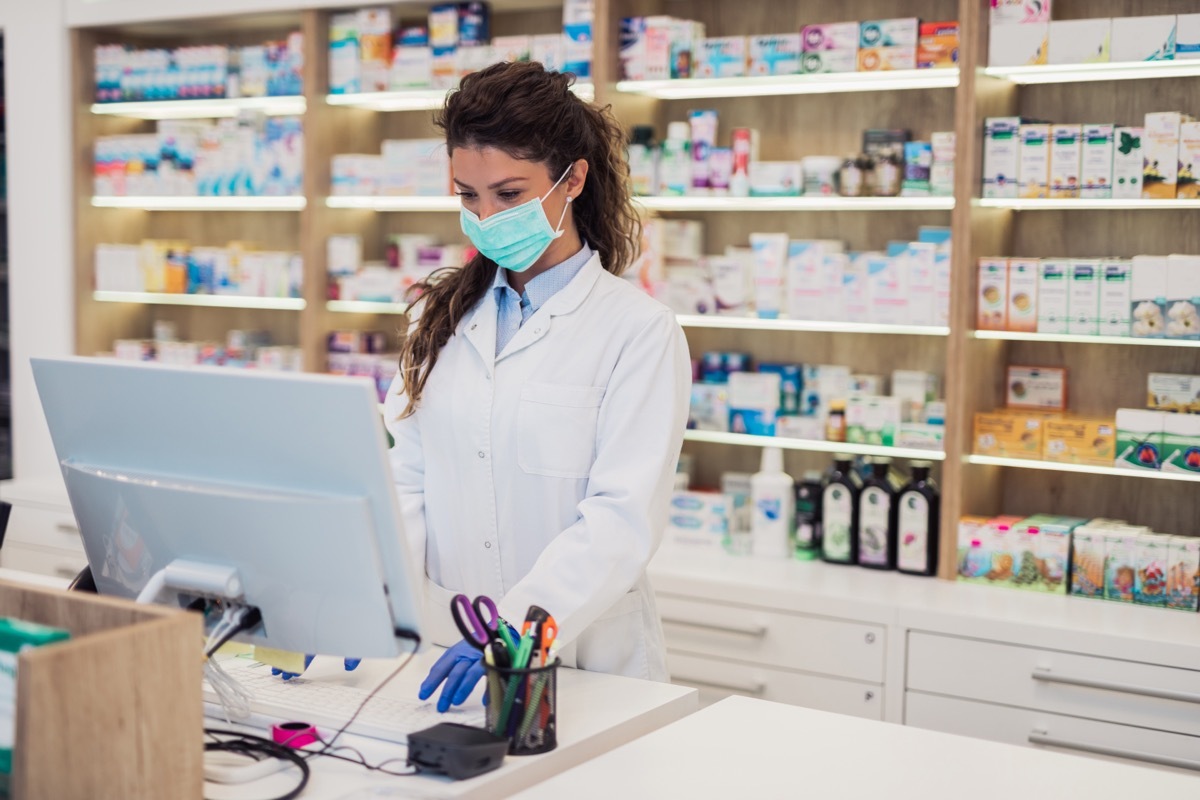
{"x":1096,"y":162}
{"x":1018,"y":45}
{"x":1033,"y":172}
{"x":1188,"y":183}
{"x":974,"y":559}
{"x":1079,"y":441}
{"x":1181,"y":443}
{"x":1148,"y":297}
{"x":1054,"y":293}
{"x":1087,"y":562}
{"x":1120,"y":563}
{"x":1174,"y":393}
{"x":1183,"y":573}
{"x":1143,"y":38}
{"x":1036,"y":388}
{"x":1127,"y":167}
{"x":1079,"y":41}
{"x":1183,"y":297}
{"x":1084,"y":297}
{"x":992,"y":302}
{"x":1066,"y":155}
{"x":1150,"y":581}
{"x":1115,"y":292}
{"x":1160,"y":154}
{"x":1022,"y":315}
{"x":1139,"y":438}
{"x":1001,"y":156}
{"x":1008,"y":435}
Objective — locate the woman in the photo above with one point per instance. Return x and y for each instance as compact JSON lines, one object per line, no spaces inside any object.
{"x":541,"y":402}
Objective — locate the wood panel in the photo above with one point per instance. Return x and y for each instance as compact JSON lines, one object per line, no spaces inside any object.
{"x":1090,"y":9}
{"x":1165,"y":506}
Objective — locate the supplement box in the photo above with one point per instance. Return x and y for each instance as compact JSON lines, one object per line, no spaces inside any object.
{"x":1183,"y":297}
{"x":1096,"y":162}
{"x":709,"y":407}
{"x":1187,"y":37}
{"x":722,"y":57}
{"x":1139,"y":438}
{"x":974,"y":551}
{"x":937,"y":45}
{"x":1169,"y":392}
{"x":753,"y":402}
{"x":1033,"y":176}
{"x":1150,"y":582}
{"x":1066,"y":157}
{"x":1009,"y":435}
{"x":1087,"y":562}
{"x":1054,"y":292}
{"x":1143,"y":38}
{"x":1022,"y":295}
{"x":1076,"y":440}
{"x":1148,"y":297}
{"x":1160,"y":154}
{"x":1018,"y":45}
{"x":993,"y":302}
{"x":1084,"y":291}
{"x":1001,"y":156}
{"x":1115,"y":292}
{"x":1127,"y":167}
{"x":1079,"y":41}
{"x":1005,"y":12}
{"x":1036,"y":388}
{"x":1183,"y":573}
{"x":1120,"y":563}
{"x":698,"y":518}
{"x":775,"y":55}
{"x":1181,"y":443}
{"x":1188,"y":185}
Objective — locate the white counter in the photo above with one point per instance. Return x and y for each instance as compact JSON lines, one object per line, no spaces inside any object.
{"x":751,"y":748}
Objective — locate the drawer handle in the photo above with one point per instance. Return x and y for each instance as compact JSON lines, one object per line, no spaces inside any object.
{"x":1044,"y":738}
{"x":66,"y":572}
{"x":755,"y":690}
{"x":757,"y":632}
{"x":67,"y":527}
{"x":1044,"y":674}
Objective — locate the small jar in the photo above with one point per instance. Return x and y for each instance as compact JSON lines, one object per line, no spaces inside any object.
{"x":835,"y":422}
{"x":889,"y":173}
{"x":850,"y":178}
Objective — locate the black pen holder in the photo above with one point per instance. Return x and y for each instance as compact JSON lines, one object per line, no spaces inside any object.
{"x":523,"y":707}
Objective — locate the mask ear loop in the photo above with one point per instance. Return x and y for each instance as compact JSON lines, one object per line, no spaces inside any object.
{"x":567,"y":205}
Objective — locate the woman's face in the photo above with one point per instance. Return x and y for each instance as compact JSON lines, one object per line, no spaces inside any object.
{"x":490,"y":181}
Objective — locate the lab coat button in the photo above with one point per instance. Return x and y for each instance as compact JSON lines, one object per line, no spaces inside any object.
{"x":482,"y":454}
{"x":476,"y":325}
{"x":488,"y":545}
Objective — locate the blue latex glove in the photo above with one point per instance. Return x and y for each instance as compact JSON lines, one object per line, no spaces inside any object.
{"x":459,"y":668}
{"x":351,"y":665}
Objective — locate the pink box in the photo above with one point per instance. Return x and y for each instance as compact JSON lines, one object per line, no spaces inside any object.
{"x":834,"y":36}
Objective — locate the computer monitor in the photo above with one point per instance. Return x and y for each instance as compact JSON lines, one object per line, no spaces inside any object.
{"x":271,"y":487}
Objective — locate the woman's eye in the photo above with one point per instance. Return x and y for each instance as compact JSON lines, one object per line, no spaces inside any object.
{"x":509,"y":196}
{"x":466,"y":195}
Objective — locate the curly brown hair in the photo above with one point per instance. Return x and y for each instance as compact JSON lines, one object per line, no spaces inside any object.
{"x":529,"y":114}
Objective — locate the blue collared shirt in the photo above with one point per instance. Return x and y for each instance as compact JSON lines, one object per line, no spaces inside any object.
{"x":513,"y":309}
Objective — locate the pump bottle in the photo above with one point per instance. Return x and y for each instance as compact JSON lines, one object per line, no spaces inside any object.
{"x":773,"y":499}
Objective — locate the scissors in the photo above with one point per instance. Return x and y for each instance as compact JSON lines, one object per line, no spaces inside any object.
{"x":478,"y":621}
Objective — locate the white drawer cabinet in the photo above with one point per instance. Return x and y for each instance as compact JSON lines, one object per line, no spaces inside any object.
{"x":42,"y":560}
{"x":841,"y":648}
{"x":1057,"y":731}
{"x":718,"y":679}
{"x":1126,"y":692}
{"x":43,"y":526}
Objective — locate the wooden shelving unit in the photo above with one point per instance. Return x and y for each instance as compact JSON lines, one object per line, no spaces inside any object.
{"x":795,"y":116}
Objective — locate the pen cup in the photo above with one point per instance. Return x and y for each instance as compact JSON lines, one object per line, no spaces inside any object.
{"x":522,"y":707}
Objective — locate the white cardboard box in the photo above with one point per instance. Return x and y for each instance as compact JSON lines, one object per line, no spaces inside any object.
{"x":1148,"y":297}
{"x":1143,"y":38}
{"x":1127,"y":162}
{"x":1096,"y":163}
{"x":1183,"y":297}
{"x":1187,"y":37}
{"x":1066,"y":156}
{"x":1079,"y":41}
{"x":1001,"y":157}
{"x":1116,"y":284}
{"x":1033,"y":175}
{"x":1017,"y":45}
{"x":1085,"y":297}
{"x":1054,"y":286}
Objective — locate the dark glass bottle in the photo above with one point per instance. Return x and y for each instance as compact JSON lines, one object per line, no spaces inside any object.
{"x":877,"y":517}
{"x":839,"y":512}
{"x":808,"y":516}
{"x":917,"y":525}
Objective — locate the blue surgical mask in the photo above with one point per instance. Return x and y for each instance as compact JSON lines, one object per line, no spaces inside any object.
{"x":515,"y":237}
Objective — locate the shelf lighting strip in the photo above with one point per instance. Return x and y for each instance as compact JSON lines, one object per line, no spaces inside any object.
{"x":699,"y":204}
{"x":439,"y":204}
{"x":1081,"y":339}
{"x":775,"y":85}
{"x":1085,"y":73}
{"x":1053,"y":466}
{"x":757,"y":324}
{"x":173,"y":203}
{"x":292,"y":105}
{"x":418,"y":99}
{"x":811,"y":445}
{"x":1072,"y":204}
{"x":365,"y":307}
{"x":203,"y":300}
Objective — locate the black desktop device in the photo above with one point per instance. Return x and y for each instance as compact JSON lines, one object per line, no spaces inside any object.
{"x":459,"y":751}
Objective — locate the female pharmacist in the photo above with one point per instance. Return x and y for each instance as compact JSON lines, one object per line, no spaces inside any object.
{"x":541,"y":401}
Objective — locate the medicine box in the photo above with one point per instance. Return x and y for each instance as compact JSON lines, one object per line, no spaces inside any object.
{"x":974,"y":552}
{"x":1087,"y":562}
{"x":1018,"y":45}
{"x":1066,"y":157}
{"x":812,"y":428}
{"x":1009,"y":435}
{"x":1116,"y":283}
{"x":775,"y":55}
{"x":791,"y":385}
{"x":753,"y":402}
{"x":512,"y":48}
{"x":833,"y":271}
{"x":1174,"y":393}
{"x":1096,"y":162}
{"x":1127,"y":168}
{"x":1076,"y":440}
{"x":1150,"y":582}
{"x":1183,"y":573}
{"x":1120,"y":563}
{"x":1181,"y":443}
{"x":822,"y":385}
{"x":1085,"y":297}
{"x":937,"y":45}
{"x":1022,"y":312}
{"x":1148,"y":297}
{"x":1033,"y":174}
{"x":921,"y":436}
{"x":1054,"y":291}
{"x":577,"y":20}
{"x":685,"y":42}
{"x":835,"y":36}
{"x":993,"y":295}
{"x":888,"y":32}
{"x":1187,"y":37}
{"x":826,"y":61}
{"x":374,"y":48}
{"x":1036,"y":388}
{"x":874,"y":420}
{"x":709,"y":407}
{"x":878,"y":59}
{"x":1079,"y":41}
{"x":1005,"y":12}
{"x":722,"y":57}
{"x":1000,"y":156}
{"x":698,"y":518}
{"x":775,"y":178}
{"x":1143,"y":38}
{"x":1188,"y":179}
{"x":1004,"y":547}
{"x":920,"y":260}
{"x":631,"y":51}
{"x":344,"y":62}
{"x":1139,"y":439}
{"x":805,"y":284}
{"x":656,"y":50}
{"x":914,"y":389}
{"x":887,"y":289}
{"x":1160,"y":154}
{"x":1183,"y":297}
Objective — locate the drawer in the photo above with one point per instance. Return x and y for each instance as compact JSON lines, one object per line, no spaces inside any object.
{"x":1106,"y":740}
{"x":1127,"y":692}
{"x":44,"y":527}
{"x":42,"y":560}
{"x":792,"y":641}
{"x":719,"y":679}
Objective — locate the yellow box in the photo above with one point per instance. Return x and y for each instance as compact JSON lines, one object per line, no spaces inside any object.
{"x":1009,"y":435}
{"x":1080,"y":440}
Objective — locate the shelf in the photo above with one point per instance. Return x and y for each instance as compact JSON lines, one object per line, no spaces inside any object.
{"x":365,"y":307}
{"x":699,"y":204}
{"x":203,"y":109}
{"x":204,"y":300}
{"x":811,"y":445}
{"x":1084,"y":73}
{"x":1080,"y":339}
{"x":438,"y":204}
{"x":757,"y":324}
{"x":773,"y":85}
{"x":202,"y":203}
{"x":418,"y":99}
{"x":1070,"y":204}
{"x":1054,"y":466}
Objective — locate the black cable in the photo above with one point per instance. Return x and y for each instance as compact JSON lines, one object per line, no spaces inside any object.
{"x":252,"y":746}
{"x":249,"y":620}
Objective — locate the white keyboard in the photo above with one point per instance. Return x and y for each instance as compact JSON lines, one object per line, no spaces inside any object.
{"x":328,"y":706}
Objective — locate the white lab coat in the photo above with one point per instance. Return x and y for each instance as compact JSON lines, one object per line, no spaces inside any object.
{"x":543,"y":475}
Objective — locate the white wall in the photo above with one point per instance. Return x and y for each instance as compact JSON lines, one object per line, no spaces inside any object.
{"x":41,"y":308}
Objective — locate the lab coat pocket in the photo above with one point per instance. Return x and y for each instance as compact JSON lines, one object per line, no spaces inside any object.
{"x":556,"y":429}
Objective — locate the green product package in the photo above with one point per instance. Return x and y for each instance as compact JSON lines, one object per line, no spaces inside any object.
{"x":15,"y":637}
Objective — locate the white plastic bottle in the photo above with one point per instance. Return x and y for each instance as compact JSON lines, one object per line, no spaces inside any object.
{"x":675,"y":162}
{"x":773,"y":498}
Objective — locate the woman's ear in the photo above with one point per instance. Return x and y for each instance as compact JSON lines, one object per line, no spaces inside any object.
{"x":577,"y":178}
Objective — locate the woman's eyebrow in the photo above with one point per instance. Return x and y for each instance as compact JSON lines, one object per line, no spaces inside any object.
{"x":495,"y":185}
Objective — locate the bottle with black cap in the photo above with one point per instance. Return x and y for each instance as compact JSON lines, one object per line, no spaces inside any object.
{"x":839,"y":512}
{"x":918,"y":518}
{"x":877,"y":517}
